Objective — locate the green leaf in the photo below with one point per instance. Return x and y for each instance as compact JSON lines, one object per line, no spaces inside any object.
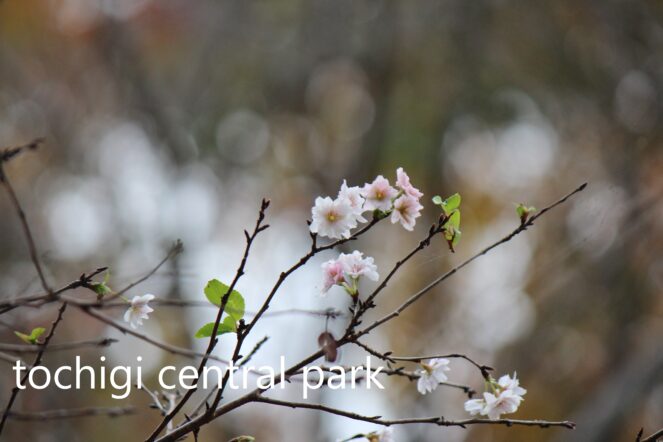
{"x":454,"y":220}
{"x":448,"y":205}
{"x":243,"y":439}
{"x":215,"y":290}
{"x":100,"y":288}
{"x":33,"y":337}
{"x":228,"y":325}
{"x":524,"y":211}
{"x":452,"y":203}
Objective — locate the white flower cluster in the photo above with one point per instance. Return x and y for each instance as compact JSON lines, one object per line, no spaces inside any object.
{"x":335,"y":218}
{"x":505,"y":398}
{"x":346,"y":270}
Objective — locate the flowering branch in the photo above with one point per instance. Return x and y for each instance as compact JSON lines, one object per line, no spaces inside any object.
{"x":438,"y":420}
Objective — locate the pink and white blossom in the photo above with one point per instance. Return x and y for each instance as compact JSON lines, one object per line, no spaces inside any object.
{"x":503,"y":403}
{"x":332,"y":272}
{"x":431,"y":374}
{"x":406,"y":210}
{"x":332,"y":218}
{"x":403,"y":183}
{"x":379,"y":194}
{"x":346,"y":270}
{"x":475,"y":406}
{"x":353,"y":196}
{"x":355,"y":265}
{"x":505,"y":398}
{"x":511,"y":383}
{"x":138,"y":310}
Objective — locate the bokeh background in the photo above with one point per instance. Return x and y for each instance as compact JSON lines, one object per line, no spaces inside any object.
{"x":172,"y":119}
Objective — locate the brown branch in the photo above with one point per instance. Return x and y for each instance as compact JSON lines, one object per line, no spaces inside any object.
{"x":162,"y":345}
{"x":213,"y":339}
{"x":440,"y":421}
{"x":37,"y":361}
{"x":9,"y":153}
{"x":18,"y":348}
{"x":651,"y":438}
{"x":73,"y":413}
{"x":414,"y":298}
{"x":32,"y":248}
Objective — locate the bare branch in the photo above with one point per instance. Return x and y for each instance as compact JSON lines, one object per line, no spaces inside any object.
{"x":73,"y":413}
{"x":37,"y":361}
{"x":440,"y":421}
{"x":18,"y":348}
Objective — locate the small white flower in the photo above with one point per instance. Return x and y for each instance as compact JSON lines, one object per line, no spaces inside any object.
{"x":138,"y":310}
{"x":332,"y":218}
{"x":353,"y":196}
{"x":504,"y":403}
{"x":475,"y":406}
{"x":509,"y":383}
{"x":379,"y":194}
{"x":355,"y":265}
{"x":431,"y":374}
{"x":384,"y":435}
{"x":406,"y":210}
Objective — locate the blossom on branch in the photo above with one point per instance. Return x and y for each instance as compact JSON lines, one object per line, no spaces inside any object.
{"x":346,"y":270}
{"x":505,"y":398}
{"x":379,"y":194}
{"x":352,"y":195}
{"x":138,"y":310}
{"x":403,"y":183}
{"x":332,"y":218}
{"x":431,"y":374}
{"x":406,"y":210}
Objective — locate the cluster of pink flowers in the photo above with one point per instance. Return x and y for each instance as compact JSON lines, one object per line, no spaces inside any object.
{"x":335,"y":218}
{"x":346,"y":270}
{"x":505,"y":398}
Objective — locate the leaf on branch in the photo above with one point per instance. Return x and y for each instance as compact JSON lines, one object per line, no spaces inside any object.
{"x":228,"y":325}
{"x":215,"y":290}
{"x":524,"y":212}
{"x":448,"y":205}
{"x":33,"y":337}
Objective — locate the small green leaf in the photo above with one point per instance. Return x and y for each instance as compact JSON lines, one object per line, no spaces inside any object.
{"x":215,"y":290}
{"x":454,"y":220}
{"x":33,"y":337}
{"x":448,"y":205}
{"x":452,"y":203}
{"x":100,"y":288}
{"x":524,"y":211}
{"x":228,"y":325}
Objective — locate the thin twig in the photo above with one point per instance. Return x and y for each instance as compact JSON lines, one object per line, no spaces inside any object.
{"x":414,"y":298}
{"x":37,"y":361}
{"x":438,"y":420}
{"x":259,"y":227}
{"x":18,"y":348}
{"x":73,"y":413}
